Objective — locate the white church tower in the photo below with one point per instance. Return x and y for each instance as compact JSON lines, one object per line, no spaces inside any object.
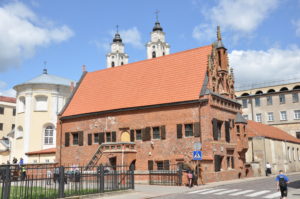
{"x":117,"y":56}
{"x":157,"y":46}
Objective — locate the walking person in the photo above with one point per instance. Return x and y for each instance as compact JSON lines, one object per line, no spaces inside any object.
{"x":282,"y":181}
{"x":190,"y":178}
{"x":268,"y":169}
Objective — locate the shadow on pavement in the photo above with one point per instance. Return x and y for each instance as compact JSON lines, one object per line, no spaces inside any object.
{"x":295,"y":184}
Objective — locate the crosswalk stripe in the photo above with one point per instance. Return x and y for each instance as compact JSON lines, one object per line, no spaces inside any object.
{"x":258,"y":193}
{"x":227,"y":191}
{"x":212,"y":191}
{"x":241,"y":192}
{"x":198,"y":191}
{"x":274,"y":195}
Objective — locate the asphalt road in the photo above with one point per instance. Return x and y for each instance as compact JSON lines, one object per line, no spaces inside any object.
{"x":260,"y":189}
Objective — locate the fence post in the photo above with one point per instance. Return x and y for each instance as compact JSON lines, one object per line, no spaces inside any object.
{"x":132,"y":176}
{"x":61,"y":187}
{"x":6,"y":182}
{"x":101,"y":178}
{"x":180,"y":176}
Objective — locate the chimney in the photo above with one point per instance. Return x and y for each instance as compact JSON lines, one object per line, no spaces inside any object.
{"x":72,"y":86}
{"x":83,"y":68}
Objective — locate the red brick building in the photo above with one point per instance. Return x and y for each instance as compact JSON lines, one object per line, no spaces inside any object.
{"x":151,"y":113}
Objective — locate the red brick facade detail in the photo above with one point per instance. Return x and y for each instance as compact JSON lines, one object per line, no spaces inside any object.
{"x":199,"y":120}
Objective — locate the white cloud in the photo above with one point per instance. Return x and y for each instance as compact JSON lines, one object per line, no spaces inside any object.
{"x":252,"y":66}
{"x":6,"y":92}
{"x":132,"y":36}
{"x":239,"y":16}
{"x":296,"y":23}
{"x":204,"y":32}
{"x":20,"y":34}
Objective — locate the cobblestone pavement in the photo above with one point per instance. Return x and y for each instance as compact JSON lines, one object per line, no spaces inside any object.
{"x":260,"y":189}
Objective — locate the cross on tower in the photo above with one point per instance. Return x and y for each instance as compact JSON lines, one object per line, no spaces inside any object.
{"x":156,"y":13}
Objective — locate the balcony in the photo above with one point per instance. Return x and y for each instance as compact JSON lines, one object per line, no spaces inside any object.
{"x":118,"y":147}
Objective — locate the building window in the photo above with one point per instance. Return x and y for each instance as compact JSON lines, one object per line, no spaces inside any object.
{"x":138,"y":134}
{"x":40,"y":103}
{"x":298,"y":135}
{"x":47,"y":161}
{"x":108,"y":137}
{"x":245,"y":103}
{"x":258,"y":117}
{"x":257,"y":101}
{"x":112,"y":64}
{"x":48,"y":139}
{"x":153,"y":54}
{"x":19,"y":133}
{"x":270,"y":116}
{"x":298,"y":154}
{"x":1,"y":110}
{"x":12,"y":126}
{"x":156,"y":133}
{"x":75,"y":138}
{"x":282,"y":99}
{"x":96,"y":137}
{"x":218,"y":162}
{"x":14,"y":112}
{"x":269,"y":100}
{"x":22,"y":104}
{"x":122,"y":63}
{"x":245,"y":117}
{"x":1,"y":126}
{"x":238,"y":130}
{"x":293,"y":154}
{"x":160,"y":165}
{"x":188,"y":128}
{"x":295,"y":97}
{"x":283,"y":115}
{"x":297,"y":114}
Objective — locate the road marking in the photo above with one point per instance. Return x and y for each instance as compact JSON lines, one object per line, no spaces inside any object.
{"x":212,"y":191}
{"x":258,"y":193}
{"x":241,"y":192}
{"x":227,"y":191}
{"x":198,"y":191}
{"x":274,"y":195}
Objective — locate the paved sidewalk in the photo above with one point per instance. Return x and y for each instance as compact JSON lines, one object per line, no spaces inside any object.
{"x":150,"y":191}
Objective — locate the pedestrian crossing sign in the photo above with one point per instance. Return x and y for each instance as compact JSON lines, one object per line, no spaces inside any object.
{"x":197,"y":155}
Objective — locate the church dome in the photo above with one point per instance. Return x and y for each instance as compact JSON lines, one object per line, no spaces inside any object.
{"x":157,"y":27}
{"x":117,"y":38}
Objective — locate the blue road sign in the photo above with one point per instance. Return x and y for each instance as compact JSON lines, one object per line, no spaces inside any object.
{"x":197,"y":155}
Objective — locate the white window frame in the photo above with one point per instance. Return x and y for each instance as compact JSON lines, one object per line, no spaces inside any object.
{"x":21,"y":104}
{"x":47,"y":135}
{"x":270,"y":116}
{"x":258,"y":117}
{"x":297,"y":114}
{"x":283,"y":115}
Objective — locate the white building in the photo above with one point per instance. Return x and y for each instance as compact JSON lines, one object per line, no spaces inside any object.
{"x":157,"y":46}
{"x":38,"y":103}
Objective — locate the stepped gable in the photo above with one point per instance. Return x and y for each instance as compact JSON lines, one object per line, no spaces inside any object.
{"x":172,"y":78}
{"x":259,"y":129}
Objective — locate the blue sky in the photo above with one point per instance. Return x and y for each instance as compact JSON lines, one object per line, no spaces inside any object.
{"x":262,"y":37}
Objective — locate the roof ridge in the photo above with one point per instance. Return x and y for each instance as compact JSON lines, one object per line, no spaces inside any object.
{"x":148,"y":60}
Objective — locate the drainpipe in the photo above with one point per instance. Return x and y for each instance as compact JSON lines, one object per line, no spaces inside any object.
{"x":60,"y":122}
{"x":252,"y":111}
{"x":265,"y":154}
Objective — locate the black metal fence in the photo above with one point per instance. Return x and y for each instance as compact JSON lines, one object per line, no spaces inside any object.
{"x":170,"y":176}
{"x":58,"y":182}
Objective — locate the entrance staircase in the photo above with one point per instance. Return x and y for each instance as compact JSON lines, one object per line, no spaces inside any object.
{"x":95,"y":158}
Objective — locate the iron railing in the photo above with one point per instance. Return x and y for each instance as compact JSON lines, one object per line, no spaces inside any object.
{"x":58,"y":182}
{"x":162,"y":176}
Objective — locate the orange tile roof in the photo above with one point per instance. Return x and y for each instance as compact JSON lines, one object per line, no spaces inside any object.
{"x":44,"y":151}
{"x":259,"y":129}
{"x":7,"y":99}
{"x":172,"y":78}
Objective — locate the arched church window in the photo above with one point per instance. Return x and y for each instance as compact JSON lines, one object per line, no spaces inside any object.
{"x":163,"y":53}
{"x":219,"y":57}
{"x":112,"y":57}
{"x":122,"y":63}
{"x":113,"y":64}
{"x":153,"y":54}
{"x":48,"y":136}
{"x":153,"y":47}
